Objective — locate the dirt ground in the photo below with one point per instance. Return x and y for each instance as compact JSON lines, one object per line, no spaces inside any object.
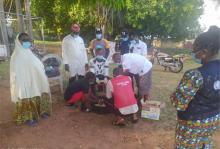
{"x":72,"y":129}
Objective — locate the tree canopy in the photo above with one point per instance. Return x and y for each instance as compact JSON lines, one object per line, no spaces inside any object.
{"x":176,"y":19}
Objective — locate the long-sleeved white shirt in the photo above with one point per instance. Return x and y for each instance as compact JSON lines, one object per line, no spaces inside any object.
{"x":139,"y":48}
{"x":74,"y":54}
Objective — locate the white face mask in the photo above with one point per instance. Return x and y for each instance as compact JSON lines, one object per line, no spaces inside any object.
{"x":125,"y":39}
{"x":118,"y":64}
{"x":74,"y":34}
{"x":99,"y":56}
{"x":99,"y":36}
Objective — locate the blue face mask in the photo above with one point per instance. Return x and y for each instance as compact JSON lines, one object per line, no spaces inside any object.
{"x":98,"y":36}
{"x":26,"y":45}
{"x":199,"y":61}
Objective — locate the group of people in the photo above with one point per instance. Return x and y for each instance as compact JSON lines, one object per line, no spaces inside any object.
{"x":196,"y":99}
{"x":87,"y":77}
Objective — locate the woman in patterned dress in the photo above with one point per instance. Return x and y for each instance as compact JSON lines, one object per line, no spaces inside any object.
{"x":29,"y":84}
{"x":197,"y":97}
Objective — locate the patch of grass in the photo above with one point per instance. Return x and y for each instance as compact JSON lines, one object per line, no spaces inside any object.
{"x":4,"y":69}
{"x":176,"y":51}
{"x":164,"y":84}
{"x":48,"y":42}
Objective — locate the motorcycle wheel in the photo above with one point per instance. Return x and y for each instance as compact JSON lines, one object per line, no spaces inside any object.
{"x":178,"y":66}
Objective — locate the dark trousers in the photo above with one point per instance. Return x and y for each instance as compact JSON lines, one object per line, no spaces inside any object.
{"x":136,"y":77}
{"x":78,"y":77}
{"x":110,"y":105}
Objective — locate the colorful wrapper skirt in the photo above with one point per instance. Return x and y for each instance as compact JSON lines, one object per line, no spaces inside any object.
{"x":196,"y":134}
{"x":33,"y":108}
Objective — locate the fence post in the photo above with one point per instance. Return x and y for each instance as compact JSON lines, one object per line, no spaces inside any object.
{"x":3,"y":28}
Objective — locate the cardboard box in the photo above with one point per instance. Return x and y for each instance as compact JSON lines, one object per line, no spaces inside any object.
{"x":151,"y":110}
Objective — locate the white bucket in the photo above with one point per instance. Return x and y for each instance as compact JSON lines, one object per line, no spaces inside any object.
{"x":3,"y":51}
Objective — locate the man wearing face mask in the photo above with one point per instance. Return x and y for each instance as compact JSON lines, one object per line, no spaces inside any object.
{"x":74,"y":54}
{"x":138,"y":46}
{"x":99,"y":40}
{"x":125,"y":43}
{"x":99,"y":65}
{"x":136,"y":65}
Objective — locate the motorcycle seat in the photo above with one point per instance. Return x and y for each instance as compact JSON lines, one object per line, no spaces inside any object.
{"x":168,"y":58}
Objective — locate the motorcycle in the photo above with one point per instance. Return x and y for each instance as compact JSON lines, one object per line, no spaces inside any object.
{"x":173,"y":63}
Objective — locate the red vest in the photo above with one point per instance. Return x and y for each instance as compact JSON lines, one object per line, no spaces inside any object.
{"x":123,"y":92}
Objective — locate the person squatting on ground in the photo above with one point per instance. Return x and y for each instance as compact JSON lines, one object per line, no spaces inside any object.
{"x":120,"y":97}
{"x":141,"y":67}
{"x":99,"y":40}
{"x":81,"y":90}
{"x":29,"y":84}
{"x":197,"y":97}
{"x":74,"y":54}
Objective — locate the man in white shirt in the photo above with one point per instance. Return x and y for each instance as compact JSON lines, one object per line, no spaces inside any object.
{"x":137,"y":65}
{"x":138,"y":46}
{"x":74,"y":54}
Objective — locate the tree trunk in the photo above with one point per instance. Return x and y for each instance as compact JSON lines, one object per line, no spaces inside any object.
{"x":112,"y":25}
{"x":28,"y":14}
{"x":4,"y":33}
{"x":19,"y":16}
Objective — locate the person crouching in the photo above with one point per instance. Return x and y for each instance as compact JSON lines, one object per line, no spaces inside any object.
{"x":81,"y":90}
{"x":120,"y":93}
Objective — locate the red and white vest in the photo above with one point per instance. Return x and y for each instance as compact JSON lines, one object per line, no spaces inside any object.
{"x":123,"y":92}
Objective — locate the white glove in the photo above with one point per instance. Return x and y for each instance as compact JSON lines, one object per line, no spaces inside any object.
{"x":105,"y":80}
{"x":97,"y":80}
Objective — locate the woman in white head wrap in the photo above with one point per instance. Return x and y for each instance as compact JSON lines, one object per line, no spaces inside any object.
{"x":29,"y":84}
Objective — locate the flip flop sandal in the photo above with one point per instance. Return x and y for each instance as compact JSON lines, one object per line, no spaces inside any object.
{"x":120,"y":122}
{"x":44,"y":115}
{"x":134,"y":121}
{"x":32,"y":123}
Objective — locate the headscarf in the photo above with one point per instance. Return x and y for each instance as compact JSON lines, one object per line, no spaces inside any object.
{"x":27,"y":74}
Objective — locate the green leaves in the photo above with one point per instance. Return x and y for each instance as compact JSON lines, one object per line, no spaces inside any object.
{"x":163,"y":18}
{"x":177,"y":19}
